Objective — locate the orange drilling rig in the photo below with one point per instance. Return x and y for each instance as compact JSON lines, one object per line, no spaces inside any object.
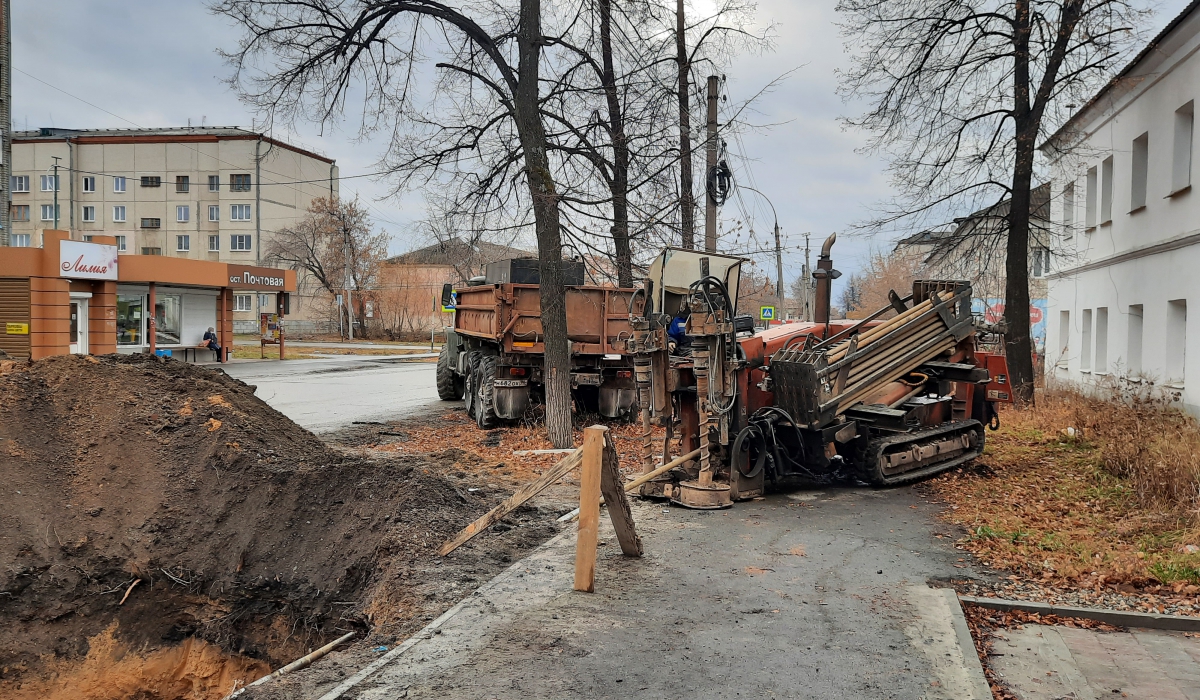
{"x":888,"y":399}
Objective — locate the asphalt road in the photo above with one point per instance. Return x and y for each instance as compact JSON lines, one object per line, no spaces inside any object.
{"x":818,"y":594}
{"x":329,"y":394}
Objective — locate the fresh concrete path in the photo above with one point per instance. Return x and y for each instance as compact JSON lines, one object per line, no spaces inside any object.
{"x":331,"y":393}
{"x":814,"y":594}
{"x":1048,"y":663}
{"x":332,"y":345}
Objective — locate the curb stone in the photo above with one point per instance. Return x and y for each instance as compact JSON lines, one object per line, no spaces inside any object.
{"x":962,"y":632}
{"x":1120,"y":618}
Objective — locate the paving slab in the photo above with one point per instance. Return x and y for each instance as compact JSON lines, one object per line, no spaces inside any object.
{"x":1042,"y":662}
{"x":810,"y":594}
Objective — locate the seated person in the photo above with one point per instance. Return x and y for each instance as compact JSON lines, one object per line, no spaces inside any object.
{"x":210,"y":342}
{"x":677,"y":335}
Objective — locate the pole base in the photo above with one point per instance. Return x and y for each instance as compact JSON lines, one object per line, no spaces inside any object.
{"x":691,"y":494}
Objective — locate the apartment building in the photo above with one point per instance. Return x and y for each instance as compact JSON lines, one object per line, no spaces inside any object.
{"x":1128,"y":223}
{"x":203,"y":193}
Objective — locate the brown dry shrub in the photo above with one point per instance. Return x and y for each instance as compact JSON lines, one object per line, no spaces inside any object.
{"x":1143,"y":437}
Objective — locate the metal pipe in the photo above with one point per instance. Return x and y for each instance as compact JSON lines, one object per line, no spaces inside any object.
{"x":825,"y":283}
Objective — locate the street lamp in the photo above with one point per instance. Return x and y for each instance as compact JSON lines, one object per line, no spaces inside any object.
{"x":778,"y":250}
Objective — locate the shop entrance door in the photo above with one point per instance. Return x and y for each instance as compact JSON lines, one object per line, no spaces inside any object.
{"x":79,"y":326}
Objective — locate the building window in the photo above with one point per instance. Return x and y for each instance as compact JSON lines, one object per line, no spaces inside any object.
{"x":1133,"y":353}
{"x":182,"y":183}
{"x":1041,"y":262}
{"x":239,"y":212}
{"x":130,"y":326}
{"x":20,"y":240}
{"x":243,"y":302}
{"x":20,"y":183}
{"x":214,"y":243}
{"x":49,"y":183}
{"x":151,"y":251}
{"x":183,"y":243}
{"x":119,"y":184}
{"x":1181,"y":155}
{"x":151,"y":223}
{"x":239,"y":242}
{"x":20,"y":212}
{"x":168,"y":319}
{"x":87,"y":238}
{"x":182,"y":213}
{"x":214,"y":212}
{"x":1138,"y":172}
{"x":239,"y":183}
{"x":1176,"y":341}
{"x":1106,"y":190}
{"x":89,"y":183}
{"x":119,"y":214}
{"x":1092,"y":196}
{"x":1101,"y":339}
{"x":151,"y":181}
{"x":49,"y":212}
{"x":89,"y":214}
{"x":1068,"y":210}
{"x":1064,"y":337}
{"x":1085,"y":344}
{"x":121,"y":243}
{"x":214,"y":183}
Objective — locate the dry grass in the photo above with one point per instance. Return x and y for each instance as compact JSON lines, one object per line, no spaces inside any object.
{"x":1087,"y":492}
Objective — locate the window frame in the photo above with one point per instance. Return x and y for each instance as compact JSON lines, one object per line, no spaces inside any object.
{"x":151,"y":181}
{"x":1139,"y":171}
{"x":236,"y":237}
{"x":183,"y":213}
{"x":1181,"y":148}
{"x":114,"y":214}
{"x":121,"y":242}
{"x":13,"y":216}
{"x":214,"y":183}
{"x":214,"y":212}
{"x":183,"y":243}
{"x":183,"y":183}
{"x":22,"y":240}
{"x":157,"y":222}
{"x":19,"y":183}
{"x":88,"y":209}
{"x":50,"y":179}
{"x":214,"y":238}
{"x":50,"y":208}
{"x":240,"y":182}
{"x":236,"y":209}
{"x":89,"y":183}
{"x":237,"y":305}
{"x":120,"y":184}
{"x":1108,"y":167}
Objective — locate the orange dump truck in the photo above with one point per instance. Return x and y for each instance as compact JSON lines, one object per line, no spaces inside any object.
{"x":493,"y":356}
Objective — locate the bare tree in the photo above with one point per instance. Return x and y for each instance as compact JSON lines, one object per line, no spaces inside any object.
{"x":302,"y":58}
{"x":334,"y":245}
{"x":960,"y":93}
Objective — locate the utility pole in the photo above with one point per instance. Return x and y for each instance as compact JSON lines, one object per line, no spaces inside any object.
{"x":687,"y":197}
{"x":6,"y":122}
{"x":710,"y":163}
{"x":806,"y":285}
{"x":55,"y":186}
{"x":778,"y":272}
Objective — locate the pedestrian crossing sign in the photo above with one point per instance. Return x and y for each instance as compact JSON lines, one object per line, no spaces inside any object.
{"x":766,"y":313}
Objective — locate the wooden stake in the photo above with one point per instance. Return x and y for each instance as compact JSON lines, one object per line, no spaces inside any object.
{"x":618,"y":505}
{"x":589,"y":508}
{"x":514,"y":501}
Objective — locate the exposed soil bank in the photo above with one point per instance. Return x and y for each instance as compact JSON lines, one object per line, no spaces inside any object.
{"x":253,"y":541}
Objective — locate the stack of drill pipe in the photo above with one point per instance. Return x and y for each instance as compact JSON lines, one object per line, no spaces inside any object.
{"x":892,"y":349}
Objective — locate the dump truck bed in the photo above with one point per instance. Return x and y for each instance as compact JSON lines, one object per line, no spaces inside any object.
{"x":511,"y":315}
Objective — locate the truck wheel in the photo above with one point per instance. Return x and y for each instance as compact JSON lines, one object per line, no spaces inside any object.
{"x":470,"y":390}
{"x":449,"y":385}
{"x":485,"y":382}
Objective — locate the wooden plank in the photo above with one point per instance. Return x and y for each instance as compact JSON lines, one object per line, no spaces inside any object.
{"x":514,"y":501}
{"x":589,"y":508}
{"x":618,"y":506}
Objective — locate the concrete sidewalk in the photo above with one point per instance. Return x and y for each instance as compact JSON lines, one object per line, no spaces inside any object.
{"x":812,"y":594}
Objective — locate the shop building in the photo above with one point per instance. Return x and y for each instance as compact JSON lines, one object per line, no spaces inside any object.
{"x":82,"y":297}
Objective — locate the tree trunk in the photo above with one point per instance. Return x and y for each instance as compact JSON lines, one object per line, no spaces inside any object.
{"x":687,"y":200}
{"x":532,"y":133}
{"x":619,"y":187}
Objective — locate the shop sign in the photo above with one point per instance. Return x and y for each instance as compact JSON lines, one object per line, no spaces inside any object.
{"x":255,"y":277}
{"x":89,"y":261}
{"x":16,"y":328}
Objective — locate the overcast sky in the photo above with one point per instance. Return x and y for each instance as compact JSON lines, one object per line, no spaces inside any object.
{"x":151,"y":63}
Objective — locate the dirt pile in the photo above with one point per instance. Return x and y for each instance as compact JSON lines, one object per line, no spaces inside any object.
{"x":245,"y":531}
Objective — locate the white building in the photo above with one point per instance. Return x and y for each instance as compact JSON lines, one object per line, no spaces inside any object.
{"x":204,"y":193}
{"x":1129,"y":262}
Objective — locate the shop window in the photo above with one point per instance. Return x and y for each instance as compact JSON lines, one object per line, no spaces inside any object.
{"x":214,"y":243}
{"x":130,"y":324}
{"x":119,"y":184}
{"x":151,"y":181}
{"x":89,"y":183}
{"x":239,"y":183}
{"x":241,"y":242}
{"x":214,"y":183}
{"x":182,"y":183}
{"x":243,"y":302}
{"x":121,"y":243}
{"x":20,"y":212}
{"x":168,"y":319}
{"x":183,"y":243}
{"x":20,"y":183}
{"x":20,"y":240}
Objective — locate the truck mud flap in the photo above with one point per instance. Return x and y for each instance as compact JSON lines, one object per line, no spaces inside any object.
{"x":908,"y":457}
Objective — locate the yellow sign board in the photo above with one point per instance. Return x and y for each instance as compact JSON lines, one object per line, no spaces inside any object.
{"x":16,"y":328}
